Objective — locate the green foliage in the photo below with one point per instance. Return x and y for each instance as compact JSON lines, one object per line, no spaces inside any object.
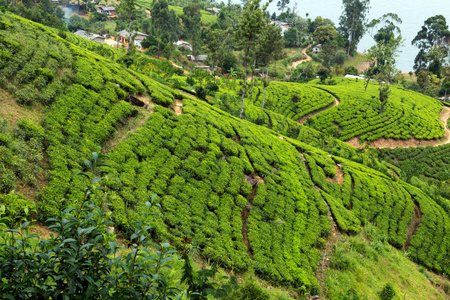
{"x":21,"y":148}
{"x":206,"y":17}
{"x":291,"y":100}
{"x":405,"y":114}
{"x":388,"y":292}
{"x":15,"y":205}
{"x":83,"y":259}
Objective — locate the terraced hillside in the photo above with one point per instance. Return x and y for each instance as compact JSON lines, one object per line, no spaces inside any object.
{"x":292,"y":100}
{"x":246,"y":196}
{"x":406,"y":114}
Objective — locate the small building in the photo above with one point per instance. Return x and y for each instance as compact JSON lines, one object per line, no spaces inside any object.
{"x":317,"y":48}
{"x":201,"y":58}
{"x":91,"y":36}
{"x":283,"y":25}
{"x":137,"y":37}
{"x":183,"y":44}
{"x":109,"y":10}
{"x":214,"y":11}
{"x":198,"y":58}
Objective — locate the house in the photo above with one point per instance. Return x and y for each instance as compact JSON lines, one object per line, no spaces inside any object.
{"x":109,"y":10}
{"x":214,"y":11}
{"x":283,"y":25}
{"x":91,"y":36}
{"x":183,"y":44}
{"x":137,"y":37}
{"x":198,"y":58}
{"x":317,"y":48}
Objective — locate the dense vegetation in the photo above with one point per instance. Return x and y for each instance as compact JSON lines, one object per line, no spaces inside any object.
{"x":206,"y":16}
{"x":247,"y":197}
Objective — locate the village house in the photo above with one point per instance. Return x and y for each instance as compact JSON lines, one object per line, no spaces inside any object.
{"x":283,"y":25}
{"x":214,"y":11}
{"x":183,"y":44}
{"x":91,"y":36}
{"x":317,"y":48}
{"x":198,"y":58}
{"x":109,"y":10}
{"x":137,"y":37}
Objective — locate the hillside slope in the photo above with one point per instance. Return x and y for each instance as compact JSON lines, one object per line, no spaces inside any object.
{"x":245,"y":196}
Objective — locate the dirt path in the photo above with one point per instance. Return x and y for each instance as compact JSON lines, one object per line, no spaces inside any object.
{"x":314,"y":113}
{"x":178,"y":108}
{"x":308,"y":58}
{"x":444,"y":115}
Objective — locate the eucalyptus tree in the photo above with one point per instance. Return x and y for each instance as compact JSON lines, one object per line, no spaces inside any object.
{"x":128,"y":9}
{"x":250,"y":27}
{"x":352,"y":21}
{"x":383,"y":54}
{"x":434,"y":32}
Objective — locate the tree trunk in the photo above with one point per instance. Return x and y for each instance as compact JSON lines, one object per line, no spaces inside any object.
{"x":245,"y":82}
{"x":426,"y":84}
{"x":264,"y":90}
{"x":130,"y":36}
{"x":159,"y":38}
{"x":253,"y":73}
{"x":367,"y":83}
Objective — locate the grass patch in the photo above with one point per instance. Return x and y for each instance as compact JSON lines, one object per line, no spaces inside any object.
{"x":11,"y":111}
{"x":370,"y":264}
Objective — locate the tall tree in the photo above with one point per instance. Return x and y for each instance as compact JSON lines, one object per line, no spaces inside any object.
{"x":215,"y":45}
{"x":282,"y":4}
{"x":270,"y":44}
{"x":383,"y":55}
{"x":388,"y":41}
{"x":128,"y":9}
{"x":433,"y":32}
{"x":251,"y":25}
{"x":160,"y":14}
{"x":192,"y":24}
{"x":352,"y":21}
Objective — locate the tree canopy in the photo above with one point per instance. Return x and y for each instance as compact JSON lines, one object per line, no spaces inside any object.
{"x":352,"y":22}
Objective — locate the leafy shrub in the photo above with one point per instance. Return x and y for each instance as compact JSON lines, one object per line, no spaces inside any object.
{"x":388,"y":292}
{"x":200,"y":91}
{"x":352,"y":70}
{"x":15,"y":205}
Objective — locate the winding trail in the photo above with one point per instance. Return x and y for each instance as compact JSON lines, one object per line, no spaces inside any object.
{"x":316,"y":112}
{"x":308,"y":58}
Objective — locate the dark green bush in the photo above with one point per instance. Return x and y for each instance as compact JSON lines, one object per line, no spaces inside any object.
{"x":388,"y":292}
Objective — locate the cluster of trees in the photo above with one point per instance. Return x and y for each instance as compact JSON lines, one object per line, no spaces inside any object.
{"x":41,"y":11}
{"x":431,"y":63}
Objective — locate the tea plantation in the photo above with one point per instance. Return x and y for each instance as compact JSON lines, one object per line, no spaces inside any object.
{"x":292,"y":100}
{"x":246,"y":196}
{"x":406,"y":114}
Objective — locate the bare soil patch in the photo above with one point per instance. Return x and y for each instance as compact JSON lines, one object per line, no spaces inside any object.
{"x":412,"y":227}
{"x":178,"y":108}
